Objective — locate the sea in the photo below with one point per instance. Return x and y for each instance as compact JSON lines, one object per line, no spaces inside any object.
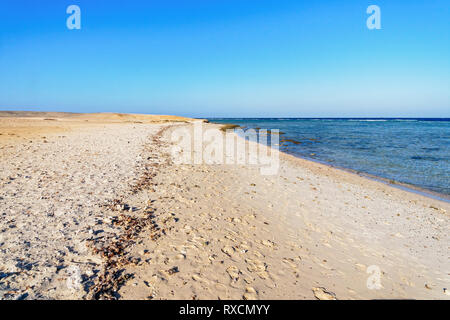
{"x":405,"y":151}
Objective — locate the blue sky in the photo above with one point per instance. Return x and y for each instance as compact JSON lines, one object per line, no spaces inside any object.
{"x":230,"y":58}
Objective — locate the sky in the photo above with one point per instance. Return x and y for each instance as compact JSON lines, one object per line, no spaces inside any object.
{"x":234,"y":58}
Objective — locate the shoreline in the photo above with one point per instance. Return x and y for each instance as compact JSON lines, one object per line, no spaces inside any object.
{"x":390,"y":182}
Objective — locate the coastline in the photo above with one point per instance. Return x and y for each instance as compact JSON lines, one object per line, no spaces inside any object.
{"x":410,"y":188}
{"x":390,"y":182}
{"x":205,"y":231}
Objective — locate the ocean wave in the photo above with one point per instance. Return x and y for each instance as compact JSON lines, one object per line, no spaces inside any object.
{"x":368,"y":120}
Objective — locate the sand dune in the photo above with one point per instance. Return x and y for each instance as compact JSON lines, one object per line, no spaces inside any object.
{"x":21,"y":125}
{"x":107,"y":116}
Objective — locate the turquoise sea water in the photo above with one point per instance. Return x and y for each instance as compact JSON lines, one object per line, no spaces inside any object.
{"x":411,"y":151}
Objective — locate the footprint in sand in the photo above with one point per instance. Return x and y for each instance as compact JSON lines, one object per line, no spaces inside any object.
{"x":258,"y":267}
{"x":322,"y":294}
{"x":233,"y":272}
{"x":248,"y":279}
{"x":198,"y":278}
{"x":243,"y":247}
{"x":250,"y":294}
{"x":228,"y":250}
{"x":290,"y":262}
{"x":268,"y":243}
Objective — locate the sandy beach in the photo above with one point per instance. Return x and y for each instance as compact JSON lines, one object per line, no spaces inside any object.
{"x":94,"y":207}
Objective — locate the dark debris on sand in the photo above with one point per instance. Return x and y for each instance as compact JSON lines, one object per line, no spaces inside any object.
{"x":114,"y":251}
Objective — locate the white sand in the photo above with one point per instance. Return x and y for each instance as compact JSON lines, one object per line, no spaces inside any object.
{"x":50,"y":197}
{"x":205,"y":231}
